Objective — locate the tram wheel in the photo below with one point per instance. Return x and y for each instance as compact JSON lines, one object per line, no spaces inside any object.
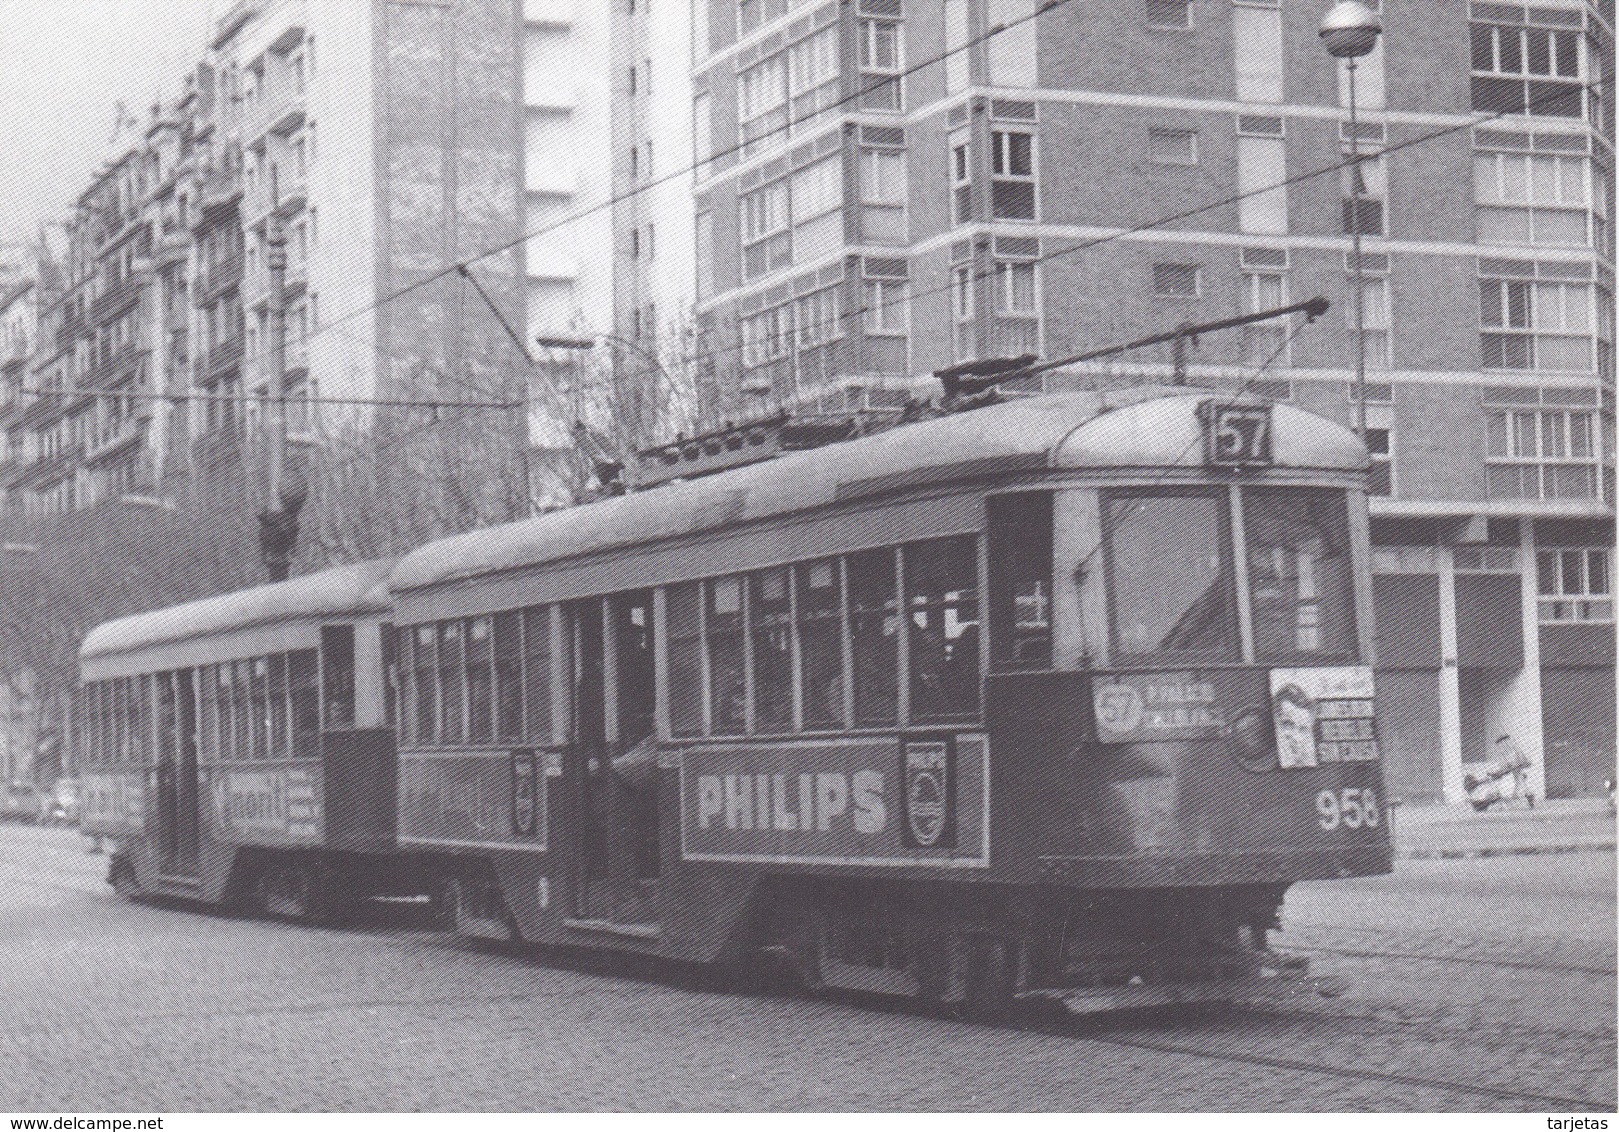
{"x":121,"y":875}
{"x":292,"y":890}
{"x":990,"y":980}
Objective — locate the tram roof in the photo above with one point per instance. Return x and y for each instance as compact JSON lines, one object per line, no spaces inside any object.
{"x":1142,"y":427}
{"x":341,"y":591}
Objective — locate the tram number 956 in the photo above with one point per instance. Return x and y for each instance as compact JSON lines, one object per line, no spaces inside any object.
{"x":1350,"y":807}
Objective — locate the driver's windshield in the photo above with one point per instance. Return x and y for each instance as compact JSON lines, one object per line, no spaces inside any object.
{"x":1170,"y":578}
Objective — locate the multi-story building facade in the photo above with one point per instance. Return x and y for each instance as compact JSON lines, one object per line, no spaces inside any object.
{"x":885,"y":187}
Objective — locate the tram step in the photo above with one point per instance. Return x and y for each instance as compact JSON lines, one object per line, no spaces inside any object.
{"x":170,"y":880}
{"x":1097,"y":1000}
{"x":609,"y":927}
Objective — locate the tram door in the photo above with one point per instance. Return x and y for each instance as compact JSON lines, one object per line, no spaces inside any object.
{"x":177,"y":771}
{"x":615,"y":833}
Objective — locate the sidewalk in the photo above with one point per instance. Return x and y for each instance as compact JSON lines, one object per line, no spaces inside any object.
{"x":1568,"y":825}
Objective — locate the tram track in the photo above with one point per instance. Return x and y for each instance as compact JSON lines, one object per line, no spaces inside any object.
{"x":1511,"y":964}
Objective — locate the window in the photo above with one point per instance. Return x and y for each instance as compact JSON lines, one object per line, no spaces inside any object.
{"x":941,"y":587}
{"x":508,"y":675}
{"x":1258,"y":39}
{"x":1172,"y":147}
{"x":703,"y":253}
{"x":961,"y":181}
{"x":1575,"y":584}
{"x":1527,"y":70}
{"x":1169,"y":578}
{"x":1012,"y":183}
{"x":685,"y":651}
{"x":1265,"y":343}
{"x":770,"y":619}
{"x":1261,"y":177}
{"x":1015,"y":289}
{"x":1365,"y":188}
{"x":1169,"y":13}
{"x":1529,"y":325}
{"x":1380,"y":476}
{"x":816,"y":198}
{"x":1541,"y":454}
{"x":820,"y":642}
{"x":1020,"y":580}
{"x":1300,"y":579}
{"x":1175,"y":280}
{"x":1533,"y":199}
{"x":812,"y":77}
{"x":538,"y":724}
{"x":762,"y":103}
{"x":817,"y":318}
{"x":480,"y":633}
{"x":883,"y":195}
{"x":874,"y":637}
{"x":767,"y":336}
{"x":881,"y":60}
{"x":1374,"y":320}
{"x":885,"y":305}
{"x":765,"y":241}
{"x":337,"y":674}
{"x":961,"y":308}
{"x":723,"y":623}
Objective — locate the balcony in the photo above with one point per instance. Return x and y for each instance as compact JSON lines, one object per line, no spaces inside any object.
{"x":216,"y":278}
{"x":225,"y":357}
{"x":220,"y":189}
{"x":113,"y":439}
{"x":278,"y":109}
{"x":116,"y":299}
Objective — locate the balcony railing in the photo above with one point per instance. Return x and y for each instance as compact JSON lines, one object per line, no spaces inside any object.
{"x":218,"y":277}
{"x":114,"y":300}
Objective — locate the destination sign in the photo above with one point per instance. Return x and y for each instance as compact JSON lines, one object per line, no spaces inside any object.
{"x":1156,"y":706}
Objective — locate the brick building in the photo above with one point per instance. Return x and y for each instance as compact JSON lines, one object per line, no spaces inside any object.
{"x":880,"y":194}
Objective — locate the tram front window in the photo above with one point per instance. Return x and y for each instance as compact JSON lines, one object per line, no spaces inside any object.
{"x":1300,"y":575}
{"x":1168,"y":572}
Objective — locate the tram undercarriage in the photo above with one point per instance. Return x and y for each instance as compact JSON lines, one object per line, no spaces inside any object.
{"x":983,"y":951}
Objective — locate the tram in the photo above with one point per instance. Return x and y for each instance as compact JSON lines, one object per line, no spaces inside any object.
{"x":1053,"y":698}
{"x":235,"y":749}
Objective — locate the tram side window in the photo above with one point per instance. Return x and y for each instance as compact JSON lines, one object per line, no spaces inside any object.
{"x":141,"y":719}
{"x":207,"y":741}
{"x":1020,"y":581}
{"x":941,"y":599}
{"x":259,"y":711}
{"x":726,"y":658}
{"x":874,"y":626}
{"x":390,"y":678}
{"x":771,"y":621}
{"x":241,"y":710}
{"x":426,"y":685}
{"x":337,"y":674}
{"x":405,"y":662}
{"x":303,"y":693}
{"x":508,"y":696}
{"x":537,"y":668}
{"x":1169,"y":579}
{"x":276,"y":732}
{"x":168,"y":718}
{"x":120,"y":718}
{"x":451,"y":680}
{"x":820,"y":642}
{"x":685,"y":628}
{"x":480,"y":679}
{"x":1300,"y":577}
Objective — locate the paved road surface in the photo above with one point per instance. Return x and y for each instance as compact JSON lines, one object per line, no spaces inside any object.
{"x":1475,"y":985}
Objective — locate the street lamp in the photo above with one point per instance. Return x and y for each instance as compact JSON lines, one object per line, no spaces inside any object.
{"x":1349,"y":32}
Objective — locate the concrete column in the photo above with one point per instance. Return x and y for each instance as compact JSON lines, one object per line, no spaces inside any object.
{"x":1450,"y":710}
{"x":1527,"y":727}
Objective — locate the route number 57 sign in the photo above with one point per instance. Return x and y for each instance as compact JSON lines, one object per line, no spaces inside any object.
{"x":1236,"y":436}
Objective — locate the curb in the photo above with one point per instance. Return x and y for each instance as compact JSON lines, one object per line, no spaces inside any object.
{"x":1494,"y":851}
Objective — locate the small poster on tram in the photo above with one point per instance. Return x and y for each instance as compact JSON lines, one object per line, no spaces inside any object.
{"x":1323,"y":715}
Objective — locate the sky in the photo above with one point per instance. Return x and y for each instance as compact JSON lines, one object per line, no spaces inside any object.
{"x":64,"y":66}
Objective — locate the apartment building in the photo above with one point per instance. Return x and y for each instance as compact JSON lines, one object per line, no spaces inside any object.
{"x":381,"y":142}
{"x":885,"y":187}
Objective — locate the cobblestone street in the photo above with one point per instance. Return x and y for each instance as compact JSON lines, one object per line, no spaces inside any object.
{"x":1496,"y":992}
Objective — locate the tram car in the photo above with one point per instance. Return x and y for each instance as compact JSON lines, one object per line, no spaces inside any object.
{"x":1048,"y":699}
{"x":235,"y":749}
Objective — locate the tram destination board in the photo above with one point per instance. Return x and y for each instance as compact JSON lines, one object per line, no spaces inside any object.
{"x":1236,"y":435}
